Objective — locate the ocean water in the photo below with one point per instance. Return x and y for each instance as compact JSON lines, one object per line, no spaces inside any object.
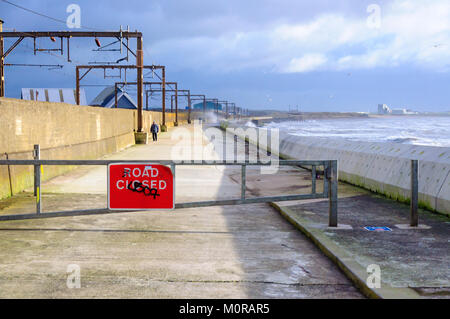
{"x":426,"y":130}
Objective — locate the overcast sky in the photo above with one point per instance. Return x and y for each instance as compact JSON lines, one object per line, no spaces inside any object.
{"x":335,"y":55}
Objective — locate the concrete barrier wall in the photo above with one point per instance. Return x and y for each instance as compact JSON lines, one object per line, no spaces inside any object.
{"x":64,"y":131}
{"x":150,"y":116}
{"x":380,"y":167}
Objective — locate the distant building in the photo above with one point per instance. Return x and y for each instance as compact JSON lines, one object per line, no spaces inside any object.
{"x":404,"y":112}
{"x":384,"y":109}
{"x":210,"y":106}
{"x":53,"y":95}
{"x":399,"y":111}
{"x":107,"y":99}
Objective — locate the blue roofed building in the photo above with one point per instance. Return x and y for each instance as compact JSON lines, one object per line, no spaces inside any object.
{"x":107,"y":99}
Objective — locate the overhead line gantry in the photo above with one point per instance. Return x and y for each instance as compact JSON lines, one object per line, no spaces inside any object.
{"x":67,"y":35}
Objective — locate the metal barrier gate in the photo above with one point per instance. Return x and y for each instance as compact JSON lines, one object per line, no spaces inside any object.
{"x":330,"y":185}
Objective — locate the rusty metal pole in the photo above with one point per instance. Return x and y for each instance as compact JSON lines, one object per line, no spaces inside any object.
{"x":223,"y":109}
{"x":140,"y":80}
{"x":2,"y":64}
{"x":189,"y":107}
{"x":115,"y":96}
{"x":176,"y":104}
{"x":77,"y":89}
{"x":204,"y":107}
{"x":171,"y":103}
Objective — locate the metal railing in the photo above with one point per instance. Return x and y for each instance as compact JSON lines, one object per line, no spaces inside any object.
{"x":330,"y":185}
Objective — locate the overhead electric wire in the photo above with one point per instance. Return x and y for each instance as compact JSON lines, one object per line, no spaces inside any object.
{"x":41,"y":14}
{"x":48,"y":17}
{"x":59,"y":21}
{"x":169,"y":85}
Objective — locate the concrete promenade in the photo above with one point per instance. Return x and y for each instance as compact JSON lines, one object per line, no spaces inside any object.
{"x":247,"y":251}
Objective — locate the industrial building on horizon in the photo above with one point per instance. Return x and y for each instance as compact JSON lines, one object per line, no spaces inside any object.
{"x":383,"y":109}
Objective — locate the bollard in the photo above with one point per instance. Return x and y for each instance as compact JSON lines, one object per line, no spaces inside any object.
{"x":414,"y":193}
{"x":332,"y":176}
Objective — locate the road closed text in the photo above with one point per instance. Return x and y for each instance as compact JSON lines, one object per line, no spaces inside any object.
{"x":140,"y":186}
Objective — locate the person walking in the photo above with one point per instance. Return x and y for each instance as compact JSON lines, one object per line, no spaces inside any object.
{"x":154,"y":129}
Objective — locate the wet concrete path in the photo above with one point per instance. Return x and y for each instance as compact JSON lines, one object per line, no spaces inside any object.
{"x":246,"y":251}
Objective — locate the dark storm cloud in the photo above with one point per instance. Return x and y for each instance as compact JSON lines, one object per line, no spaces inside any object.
{"x":263,"y":53}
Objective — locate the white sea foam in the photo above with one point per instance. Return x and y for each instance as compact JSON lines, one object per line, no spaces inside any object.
{"x":250,"y":124}
{"x":421,"y":130}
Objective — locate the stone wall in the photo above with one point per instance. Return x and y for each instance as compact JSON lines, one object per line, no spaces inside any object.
{"x":63,"y":131}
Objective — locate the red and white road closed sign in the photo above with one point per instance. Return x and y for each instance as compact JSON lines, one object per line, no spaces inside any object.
{"x":140,"y":186}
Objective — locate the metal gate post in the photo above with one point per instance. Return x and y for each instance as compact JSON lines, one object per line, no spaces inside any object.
{"x":243,"y":178}
{"x":332,"y":176}
{"x":37,"y":176}
{"x":173,"y":168}
{"x":36,"y":156}
{"x":414,"y":193}
{"x":313,"y":179}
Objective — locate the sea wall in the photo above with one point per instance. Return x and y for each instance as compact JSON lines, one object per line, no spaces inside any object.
{"x":63,"y":131}
{"x":384,"y":168}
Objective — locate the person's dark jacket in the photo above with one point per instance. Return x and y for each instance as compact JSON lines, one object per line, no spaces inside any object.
{"x":154,"y":128}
